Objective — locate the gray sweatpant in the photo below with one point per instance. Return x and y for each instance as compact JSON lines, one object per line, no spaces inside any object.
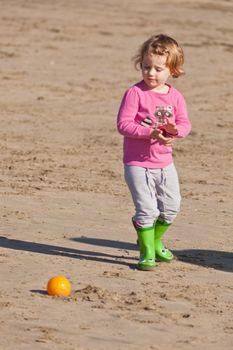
{"x":155,"y":193}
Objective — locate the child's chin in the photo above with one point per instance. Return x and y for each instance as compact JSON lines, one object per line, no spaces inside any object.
{"x":152,"y":85}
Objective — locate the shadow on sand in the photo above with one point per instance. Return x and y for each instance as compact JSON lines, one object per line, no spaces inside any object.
{"x":215,"y":259}
{"x":106,"y":243}
{"x":218,"y":260}
{"x":64,"y":251}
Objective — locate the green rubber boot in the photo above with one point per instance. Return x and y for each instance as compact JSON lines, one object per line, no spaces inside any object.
{"x":147,"y":248}
{"x":162,"y":253}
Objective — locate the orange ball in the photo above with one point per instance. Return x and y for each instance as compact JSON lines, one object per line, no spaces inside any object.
{"x":59,"y":286}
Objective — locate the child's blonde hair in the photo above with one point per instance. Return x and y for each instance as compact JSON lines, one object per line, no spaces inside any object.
{"x":162,"y":45}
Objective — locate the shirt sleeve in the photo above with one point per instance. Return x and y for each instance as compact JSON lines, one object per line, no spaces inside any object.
{"x":126,"y":124}
{"x":181,"y":118}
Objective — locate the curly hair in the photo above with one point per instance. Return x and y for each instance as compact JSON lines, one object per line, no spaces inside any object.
{"x":162,"y":45}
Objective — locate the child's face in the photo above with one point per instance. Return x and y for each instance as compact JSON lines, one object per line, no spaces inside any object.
{"x":155,"y":73}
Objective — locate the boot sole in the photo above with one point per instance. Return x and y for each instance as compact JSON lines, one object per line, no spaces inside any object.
{"x":163,"y":260}
{"x":145,"y":268}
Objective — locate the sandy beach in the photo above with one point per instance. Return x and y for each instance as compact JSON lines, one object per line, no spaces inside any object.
{"x":65,"y":208}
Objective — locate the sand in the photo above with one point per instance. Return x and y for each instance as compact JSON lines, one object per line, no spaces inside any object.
{"x":65,"y":208}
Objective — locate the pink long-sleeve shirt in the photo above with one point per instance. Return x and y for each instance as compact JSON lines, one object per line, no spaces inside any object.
{"x":137,"y":116}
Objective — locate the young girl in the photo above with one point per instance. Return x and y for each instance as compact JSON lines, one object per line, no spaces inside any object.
{"x":152,"y":114}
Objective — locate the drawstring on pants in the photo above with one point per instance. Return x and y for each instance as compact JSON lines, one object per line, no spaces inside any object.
{"x":163,"y":177}
{"x":149,"y":180}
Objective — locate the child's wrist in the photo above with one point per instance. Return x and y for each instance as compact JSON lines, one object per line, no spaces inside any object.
{"x":155,"y":133}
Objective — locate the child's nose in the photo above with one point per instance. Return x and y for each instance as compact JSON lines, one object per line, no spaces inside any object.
{"x":151,"y":71}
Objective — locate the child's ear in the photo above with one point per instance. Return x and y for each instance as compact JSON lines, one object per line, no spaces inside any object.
{"x":140,"y":65}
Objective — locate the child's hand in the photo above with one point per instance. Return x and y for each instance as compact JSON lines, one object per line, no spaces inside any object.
{"x":158,"y":135}
{"x":170,"y":127}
